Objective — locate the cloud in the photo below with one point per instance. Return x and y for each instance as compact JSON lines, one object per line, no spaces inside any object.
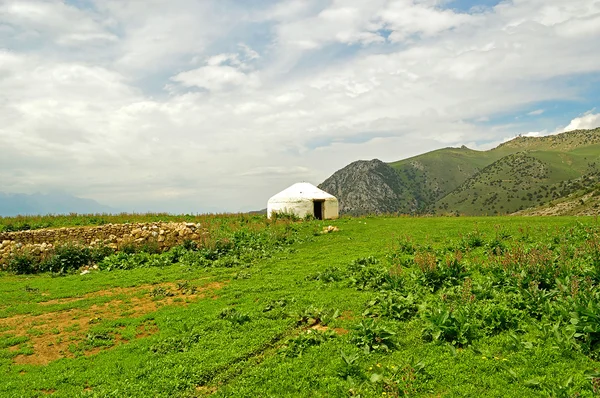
{"x":537,"y":112}
{"x":192,"y":104}
{"x":217,"y":78}
{"x":39,"y":20}
{"x":587,"y":121}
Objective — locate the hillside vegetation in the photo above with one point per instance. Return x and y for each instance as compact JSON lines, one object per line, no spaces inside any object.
{"x":584,"y":201}
{"x":522,"y":173}
{"x":421,"y":307}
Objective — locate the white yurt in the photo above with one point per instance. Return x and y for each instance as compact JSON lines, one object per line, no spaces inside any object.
{"x":303,"y":199}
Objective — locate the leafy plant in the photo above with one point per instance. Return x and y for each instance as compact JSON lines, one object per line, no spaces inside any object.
{"x":392,"y":305}
{"x":312,"y":315}
{"x":328,"y":275}
{"x":23,"y":262}
{"x":370,"y":336}
{"x":349,"y":368}
{"x":456,"y":326}
{"x":187,"y":336}
{"x":296,"y":346}
{"x":234,"y":316}
{"x":368,"y":273}
{"x":161,"y":292}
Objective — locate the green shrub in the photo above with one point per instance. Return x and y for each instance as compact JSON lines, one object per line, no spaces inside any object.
{"x":23,"y":263}
{"x":368,"y":273}
{"x":234,"y":316}
{"x":458,"y":326}
{"x":370,"y":336}
{"x":67,"y":257}
{"x":392,"y":305}
{"x":296,"y":346}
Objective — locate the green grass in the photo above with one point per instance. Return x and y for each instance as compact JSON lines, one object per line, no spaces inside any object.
{"x":252,"y":335}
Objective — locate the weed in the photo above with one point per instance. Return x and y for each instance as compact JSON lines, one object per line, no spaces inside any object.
{"x":349,"y":368}
{"x":186,"y":288}
{"x":392,"y":305}
{"x":161,"y":292}
{"x":67,"y":257}
{"x":296,"y":346}
{"x":457,"y":326}
{"x":370,"y":336}
{"x":23,"y":263}
{"x":234,"y":316}
{"x":185,"y":339}
{"x":328,"y":275}
{"x":312,"y":315}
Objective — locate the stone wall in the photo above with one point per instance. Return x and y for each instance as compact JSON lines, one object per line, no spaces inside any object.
{"x":115,"y":236}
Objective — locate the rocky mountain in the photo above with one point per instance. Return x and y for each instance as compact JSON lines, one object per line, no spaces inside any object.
{"x":370,"y":187}
{"x":519,"y":174}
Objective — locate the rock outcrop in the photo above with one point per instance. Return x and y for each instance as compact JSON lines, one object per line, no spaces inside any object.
{"x":373,"y":186}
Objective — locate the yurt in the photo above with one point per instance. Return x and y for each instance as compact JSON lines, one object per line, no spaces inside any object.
{"x":303,"y":199}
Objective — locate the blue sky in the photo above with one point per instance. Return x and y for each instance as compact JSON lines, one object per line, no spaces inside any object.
{"x":468,"y":5}
{"x":197,"y":105}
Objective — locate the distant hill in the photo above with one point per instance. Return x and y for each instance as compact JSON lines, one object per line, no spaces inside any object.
{"x":39,"y":204}
{"x":522,"y":173}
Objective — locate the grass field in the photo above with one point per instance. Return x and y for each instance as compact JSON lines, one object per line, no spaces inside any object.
{"x":470,"y":307}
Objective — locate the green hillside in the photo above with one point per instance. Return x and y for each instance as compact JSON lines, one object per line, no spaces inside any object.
{"x":519,"y":174}
{"x":560,"y":142}
{"x":582,"y":198}
{"x":434,"y":174}
{"x":522,"y":180}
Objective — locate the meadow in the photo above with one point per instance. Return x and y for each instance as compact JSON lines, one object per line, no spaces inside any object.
{"x":384,"y":306}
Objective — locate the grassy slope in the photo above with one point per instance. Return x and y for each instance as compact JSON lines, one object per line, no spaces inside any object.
{"x":582,"y":202}
{"x":521,"y":180}
{"x":434,"y":175}
{"x":242,"y":360}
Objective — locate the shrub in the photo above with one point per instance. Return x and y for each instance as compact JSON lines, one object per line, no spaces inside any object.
{"x":370,"y":336}
{"x":295,"y":347}
{"x":367,"y":273}
{"x":23,"y":263}
{"x":67,"y":257}
{"x":392,"y":305}
{"x":456,"y":326}
{"x":234,"y":316}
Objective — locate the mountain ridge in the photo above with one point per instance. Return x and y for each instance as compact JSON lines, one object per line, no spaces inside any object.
{"x":14,"y":204}
{"x":518,"y":174}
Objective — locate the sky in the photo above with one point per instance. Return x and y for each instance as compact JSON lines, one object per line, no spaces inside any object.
{"x":191,"y":106}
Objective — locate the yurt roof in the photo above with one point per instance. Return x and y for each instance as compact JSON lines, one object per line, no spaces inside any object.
{"x":301,"y":190}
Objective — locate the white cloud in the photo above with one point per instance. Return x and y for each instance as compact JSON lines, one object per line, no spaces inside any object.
{"x":47,"y":19}
{"x":537,"y":112}
{"x":196,"y":103}
{"x":217,"y":78}
{"x":588,"y":121}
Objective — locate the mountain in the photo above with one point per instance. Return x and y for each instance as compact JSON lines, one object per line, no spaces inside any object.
{"x":370,"y":187}
{"x":434,"y":174}
{"x":23,"y":204}
{"x":522,"y":173}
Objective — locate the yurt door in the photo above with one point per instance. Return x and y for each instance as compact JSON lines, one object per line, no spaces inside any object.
{"x":318,"y":209}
